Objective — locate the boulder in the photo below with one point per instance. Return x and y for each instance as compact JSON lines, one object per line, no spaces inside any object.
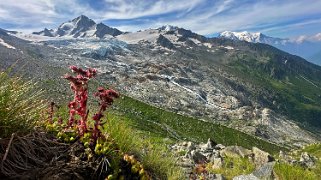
{"x":219,"y":147}
{"x":235,"y":151}
{"x":217,"y":163}
{"x":198,"y":157}
{"x":208,"y":146}
{"x":190,"y":146}
{"x":306,"y":160}
{"x":265,"y":172}
{"x":261,"y":157}
{"x":246,"y":177}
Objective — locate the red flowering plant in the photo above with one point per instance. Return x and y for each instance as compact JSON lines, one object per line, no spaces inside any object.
{"x":78,"y":109}
{"x":79,"y":86}
{"x":106,"y":98}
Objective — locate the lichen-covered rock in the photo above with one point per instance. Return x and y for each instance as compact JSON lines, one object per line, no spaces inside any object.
{"x":246,"y":177}
{"x":209,"y":146}
{"x":261,"y":157}
{"x":235,"y":151}
{"x":198,"y":157}
{"x":217,"y":163}
{"x":265,"y":172}
{"x":306,"y":160}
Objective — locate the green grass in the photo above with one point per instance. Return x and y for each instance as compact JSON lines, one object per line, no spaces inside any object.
{"x":151,"y":151}
{"x":21,"y":106}
{"x":288,"y":172}
{"x":313,"y":149}
{"x":164,"y":124}
{"x":233,"y":166}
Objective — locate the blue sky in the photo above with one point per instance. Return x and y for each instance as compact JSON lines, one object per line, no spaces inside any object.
{"x":278,"y":18}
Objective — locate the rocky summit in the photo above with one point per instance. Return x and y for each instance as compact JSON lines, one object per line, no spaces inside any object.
{"x":80,"y":27}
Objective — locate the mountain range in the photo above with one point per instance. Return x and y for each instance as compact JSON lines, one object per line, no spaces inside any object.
{"x":253,"y":87}
{"x":308,"y":49}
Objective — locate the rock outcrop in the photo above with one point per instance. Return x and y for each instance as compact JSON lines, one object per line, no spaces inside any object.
{"x":191,"y":155}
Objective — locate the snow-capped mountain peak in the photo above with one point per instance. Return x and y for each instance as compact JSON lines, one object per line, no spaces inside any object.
{"x":243,"y":36}
{"x":81,"y":27}
{"x":168,"y":28}
{"x":255,"y":37}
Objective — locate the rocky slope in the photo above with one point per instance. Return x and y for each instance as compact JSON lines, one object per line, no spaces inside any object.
{"x":208,"y":159}
{"x":251,"y":87}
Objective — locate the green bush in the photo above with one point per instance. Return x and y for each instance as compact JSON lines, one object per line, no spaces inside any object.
{"x":20,"y":105}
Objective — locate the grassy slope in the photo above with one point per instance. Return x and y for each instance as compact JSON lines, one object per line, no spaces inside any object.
{"x":159,"y":124}
{"x":164,"y":124}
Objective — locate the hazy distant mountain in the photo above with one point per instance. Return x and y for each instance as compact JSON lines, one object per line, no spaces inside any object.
{"x":252,"y":37}
{"x":80,"y":27}
{"x":305,"y":48}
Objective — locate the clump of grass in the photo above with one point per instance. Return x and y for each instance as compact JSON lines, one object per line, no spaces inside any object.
{"x":233,"y":166}
{"x":152,"y":153}
{"x":313,"y":149}
{"x":288,"y":172}
{"x":21,"y":106}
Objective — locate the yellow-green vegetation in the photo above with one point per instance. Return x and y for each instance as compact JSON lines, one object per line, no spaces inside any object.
{"x":288,"y":172}
{"x":151,"y":151}
{"x":161,"y":123}
{"x":233,"y":166}
{"x":313,"y":149}
{"x":20,"y":105}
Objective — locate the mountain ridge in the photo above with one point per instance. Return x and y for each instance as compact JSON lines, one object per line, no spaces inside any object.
{"x":80,"y":27}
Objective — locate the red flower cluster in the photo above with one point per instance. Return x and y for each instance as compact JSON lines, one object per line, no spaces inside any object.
{"x":106,"y":98}
{"x":79,"y":85}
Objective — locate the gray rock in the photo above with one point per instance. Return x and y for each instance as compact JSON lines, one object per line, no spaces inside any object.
{"x":163,"y":41}
{"x":246,"y":177}
{"x":235,"y":151}
{"x":219,"y":147}
{"x":198,"y":157}
{"x":306,"y":160}
{"x":190,"y":146}
{"x":261,"y":157}
{"x":219,"y":177}
{"x":217,"y":163}
{"x":208,"y":146}
{"x":265,"y":172}
{"x":186,"y":164}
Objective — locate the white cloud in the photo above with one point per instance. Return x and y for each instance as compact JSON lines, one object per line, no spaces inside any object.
{"x":311,"y":38}
{"x":202,"y":16}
